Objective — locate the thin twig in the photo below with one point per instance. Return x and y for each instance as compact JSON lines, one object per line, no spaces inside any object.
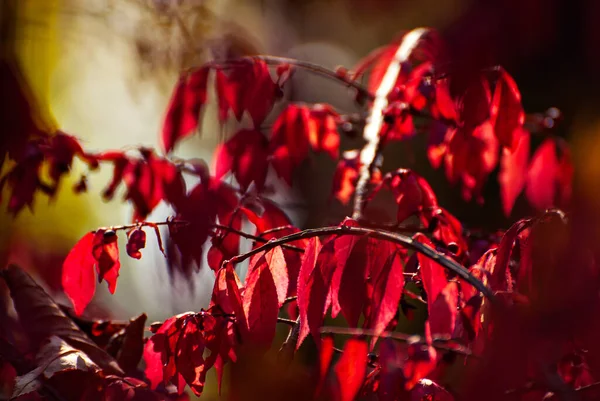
{"x":439,"y":343}
{"x":277,"y":229}
{"x":286,"y":321}
{"x":400,"y":239}
{"x":146,"y":224}
{"x":289,"y":345}
{"x":254,"y":237}
{"x":310,"y":67}
{"x":414,"y":296}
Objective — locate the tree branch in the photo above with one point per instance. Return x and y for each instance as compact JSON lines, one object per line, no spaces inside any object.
{"x":305,"y":65}
{"x":439,"y":343}
{"x":400,"y":239}
{"x":371,"y":157}
{"x":254,"y":237}
{"x":146,"y":224}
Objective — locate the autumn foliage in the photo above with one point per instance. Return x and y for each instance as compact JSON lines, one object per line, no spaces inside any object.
{"x":505,"y":314}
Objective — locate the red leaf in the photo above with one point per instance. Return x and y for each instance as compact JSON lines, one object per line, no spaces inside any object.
{"x":323,"y":135}
{"x":261,"y":304}
{"x":245,"y":155}
{"x":363,"y":64}
{"x":78,"y":279}
{"x":387,"y":292}
{"x":412,"y":193}
{"x":343,"y":247}
{"x":448,"y":230}
{"x":290,"y":140}
{"x":378,"y":254}
{"x":277,"y":265}
{"x":199,"y":209}
{"x":541,"y":185}
{"x":443,"y":310}
{"x":382,"y":63}
{"x":176,"y":352}
{"x":351,"y":368}
{"x":235,"y":297}
{"x":432,"y":274}
{"x":513,"y":170}
{"x":248,"y":86}
{"x":225,"y":244}
{"x":184,"y":108}
{"x":190,"y":356}
{"x":136,"y":240}
{"x":471,"y":156}
{"x":354,"y":257}
{"x":345,"y":177}
{"x":325,"y":357}
{"x":549,"y":177}
{"x":59,"y":154}
{"x":106,"y":252}
{"x":305,"y":278}
{"x":443,"y":101}
{"x":159,"y":353}
{"x":506,"y":111}
{"x":473,"y":104}
{"x":269,"y":217}
{"x":259,"y":101}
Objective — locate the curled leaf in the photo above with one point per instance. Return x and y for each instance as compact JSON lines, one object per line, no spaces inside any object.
{"x":136,"y":240}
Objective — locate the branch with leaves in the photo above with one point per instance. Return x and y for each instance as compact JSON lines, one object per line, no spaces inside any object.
{"x":474,"y":288}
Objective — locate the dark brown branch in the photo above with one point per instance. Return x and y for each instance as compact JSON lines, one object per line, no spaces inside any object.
{"x":439,"y":343}
{"x":400,"y":239}
{"x":147,"y":224}
{"x":254,"y":237}
{"x":319,"y":70}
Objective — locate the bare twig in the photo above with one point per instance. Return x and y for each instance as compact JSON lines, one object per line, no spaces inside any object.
{"x":146,"y":224}
{"x":286,"y":321}
{"x":439,"y":343}
{"x":254,"y":237}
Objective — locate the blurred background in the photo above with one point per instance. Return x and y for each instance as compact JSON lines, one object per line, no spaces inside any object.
{"x":103,"y":70}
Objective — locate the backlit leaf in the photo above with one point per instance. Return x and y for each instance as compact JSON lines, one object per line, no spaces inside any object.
{"x":351,"y":368}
